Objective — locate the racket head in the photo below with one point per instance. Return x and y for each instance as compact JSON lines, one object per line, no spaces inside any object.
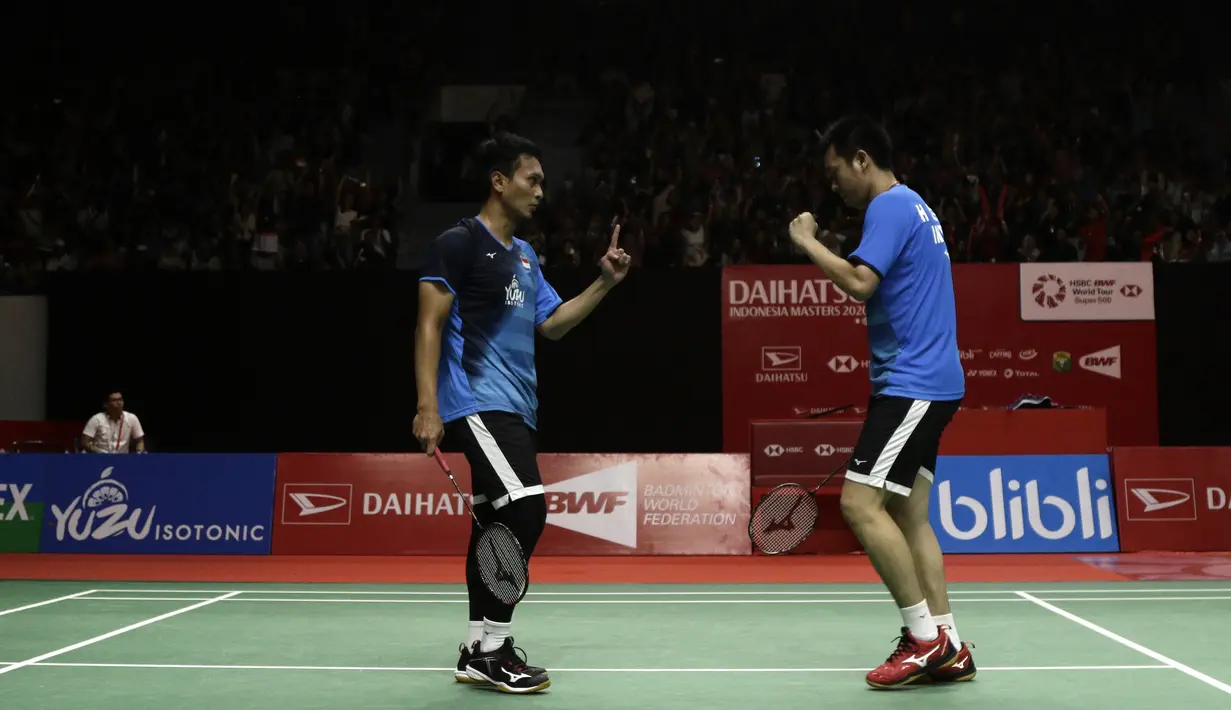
{"x":783,"y":519}
{"x":502,"y":564}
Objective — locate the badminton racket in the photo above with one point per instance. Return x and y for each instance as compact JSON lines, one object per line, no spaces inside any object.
{"x":785,"y":516}
{"x":502,"y":565}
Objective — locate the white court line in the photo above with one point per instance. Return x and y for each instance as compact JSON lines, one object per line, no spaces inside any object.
{"x":301,"y":600}
{"x":1131,"y":644}
{"x":66,"y":597}
{"x":423,"y":669}
{"x":112,"y":634}
{"x":699,"y":593}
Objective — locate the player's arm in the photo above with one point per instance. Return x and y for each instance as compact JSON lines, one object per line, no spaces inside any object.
{"x":554,"y":319}
{"x":435,"y":303}
{"x":565,"y":316}
{"x":856,"y":280}
{"x":444,"y":268}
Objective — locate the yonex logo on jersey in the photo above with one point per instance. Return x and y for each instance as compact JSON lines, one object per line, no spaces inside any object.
{"x":513,"y":295}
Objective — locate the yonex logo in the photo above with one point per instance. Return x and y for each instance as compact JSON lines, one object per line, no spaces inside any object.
{"x":17,"y":509}
{"x":316,"y":504}
{"x":1049,"y":290}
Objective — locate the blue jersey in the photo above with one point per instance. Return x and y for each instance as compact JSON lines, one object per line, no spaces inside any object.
{"x":912,"y":317}
{"x":499,"y":298}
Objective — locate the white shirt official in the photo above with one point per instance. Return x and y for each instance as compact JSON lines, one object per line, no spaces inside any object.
{"x":114,"y":436}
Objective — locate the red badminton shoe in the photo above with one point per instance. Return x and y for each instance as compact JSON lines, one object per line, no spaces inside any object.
{"x":913,"y":660}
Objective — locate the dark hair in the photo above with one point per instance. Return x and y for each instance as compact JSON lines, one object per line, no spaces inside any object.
{"x":503,"y":152}
{"x":851,"y":134}
{"x":108,"y":393}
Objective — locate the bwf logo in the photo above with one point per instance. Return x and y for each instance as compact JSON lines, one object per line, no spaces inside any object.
{"x":1104,"y":362}
{"x":602,"y":504}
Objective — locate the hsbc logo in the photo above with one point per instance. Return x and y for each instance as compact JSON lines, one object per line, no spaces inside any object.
{"x":1130,"y":290}
{"x":845,"y":363}
{"x":775,"y":450}
{"x":316,"y":503}
{"x":1104,"y":362}
{"x":829,"y":450}
{"x":602,"y":504}
{"x":1161,"y":499}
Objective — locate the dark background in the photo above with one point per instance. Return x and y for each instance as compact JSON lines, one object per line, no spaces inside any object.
{"x":315,"y":362}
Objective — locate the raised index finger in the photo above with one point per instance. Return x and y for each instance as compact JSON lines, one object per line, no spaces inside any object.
{"x":615,"y":236}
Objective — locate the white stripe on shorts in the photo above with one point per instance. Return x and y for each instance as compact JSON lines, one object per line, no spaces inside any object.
{"x":893,"y":448}
{"x":514,"y":490}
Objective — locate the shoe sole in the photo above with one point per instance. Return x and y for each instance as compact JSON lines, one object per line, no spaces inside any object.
{"x":461,"y":677}
{"x":478,"y":678}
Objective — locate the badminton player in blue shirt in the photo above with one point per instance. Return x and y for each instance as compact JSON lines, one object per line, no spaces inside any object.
{"x":901,"y":270}
{"x":482,"y":297}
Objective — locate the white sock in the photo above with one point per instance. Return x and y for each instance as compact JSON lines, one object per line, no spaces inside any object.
{"x":494,"y":634}
{"x":473,"y":634}
{"x":920,"y":622}
{"x":947,"y":620}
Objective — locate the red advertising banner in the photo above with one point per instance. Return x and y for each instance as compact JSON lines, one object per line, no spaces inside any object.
{"x":1174,"y":499}
{"x":788,"y":451}
{"x":597,"y":504}
{"x":793,"y":344}
{"x":804,"y":451}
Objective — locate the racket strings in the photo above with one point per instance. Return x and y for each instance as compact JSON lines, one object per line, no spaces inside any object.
{"x":501,"y":564}
{"x":783,"y":519}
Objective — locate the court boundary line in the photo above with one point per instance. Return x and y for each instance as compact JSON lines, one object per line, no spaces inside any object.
{"x":664,"y":602}
{"x":46,"y":602}
{"x":698,"y":593}
{"x":428,"y":669}
{"x":1106,"y":633}
{"x":111,"y":634}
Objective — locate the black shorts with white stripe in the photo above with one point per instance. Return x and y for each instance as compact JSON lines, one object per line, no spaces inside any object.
{"x":502,"y":452}
{"x":900,"y":440}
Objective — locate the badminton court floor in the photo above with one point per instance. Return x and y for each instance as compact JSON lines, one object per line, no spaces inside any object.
{"x":139,"y":646}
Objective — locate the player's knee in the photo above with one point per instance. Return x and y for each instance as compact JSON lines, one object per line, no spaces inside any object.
{"x":526,"y":517}
{"x":860,"y":502}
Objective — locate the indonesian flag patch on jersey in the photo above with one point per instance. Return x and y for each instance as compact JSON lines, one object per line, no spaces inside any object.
{"x":525,"y":262}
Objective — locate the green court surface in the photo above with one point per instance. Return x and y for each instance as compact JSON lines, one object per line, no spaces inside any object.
{"x":1127,"y":646}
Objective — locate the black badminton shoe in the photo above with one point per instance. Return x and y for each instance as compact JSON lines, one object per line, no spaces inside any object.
{"x":506,"y":669}
{"x":460,"y":675}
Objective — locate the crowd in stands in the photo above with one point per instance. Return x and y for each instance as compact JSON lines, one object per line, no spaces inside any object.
{"x":704,"y":159}
{"x":1068,"y":162}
